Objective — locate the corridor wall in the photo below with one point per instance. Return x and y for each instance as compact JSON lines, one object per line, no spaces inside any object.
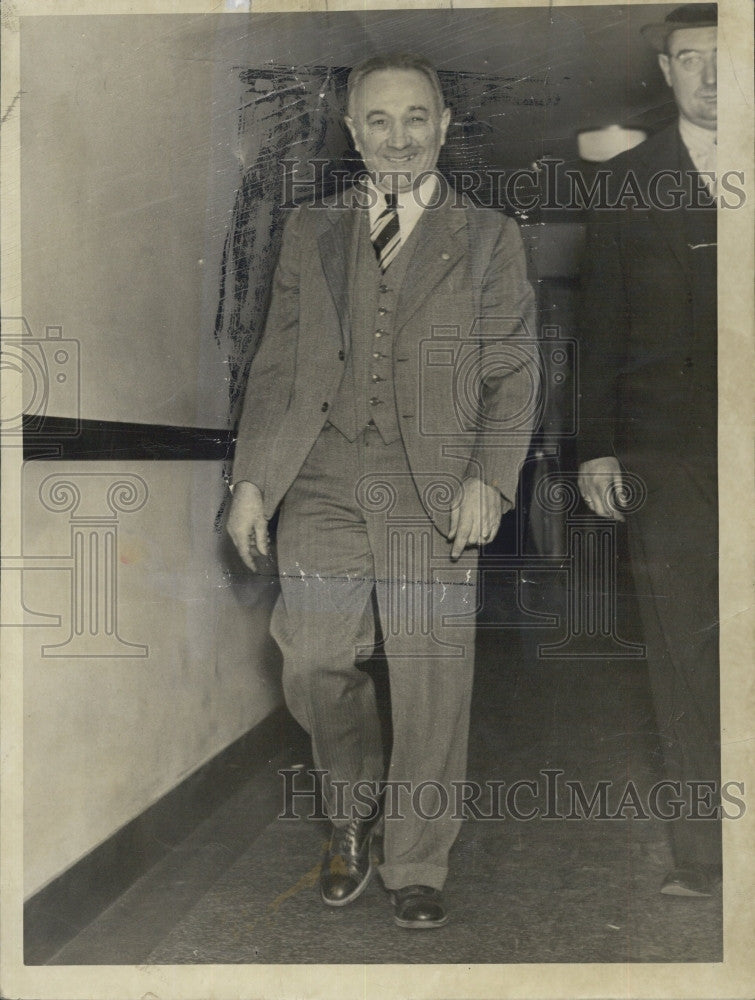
{"x":132,"y":156}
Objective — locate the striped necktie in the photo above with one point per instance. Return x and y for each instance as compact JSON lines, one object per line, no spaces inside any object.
{"x":385,"y":234}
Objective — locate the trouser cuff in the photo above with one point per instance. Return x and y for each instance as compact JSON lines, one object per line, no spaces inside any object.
{"x":398,"y":876}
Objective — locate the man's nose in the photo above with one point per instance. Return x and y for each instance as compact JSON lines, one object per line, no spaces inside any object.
{"x":398,"y":137}
{"x":710,"y":71}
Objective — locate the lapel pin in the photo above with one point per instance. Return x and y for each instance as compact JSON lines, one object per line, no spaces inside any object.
{"x":446,"y":256}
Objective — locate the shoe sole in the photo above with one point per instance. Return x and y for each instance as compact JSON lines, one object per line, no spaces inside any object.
{"x":685,"y":892}
{"x":362,"y":885}
{"x":420,"y":925}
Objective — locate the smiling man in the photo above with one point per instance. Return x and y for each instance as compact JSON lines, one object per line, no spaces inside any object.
{"x":649,"y":405}
{"x":398,"y":123}
{"x":387,"y":482}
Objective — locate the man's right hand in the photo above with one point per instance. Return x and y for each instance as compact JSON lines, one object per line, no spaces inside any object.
{"x":247,"y":525}
{"x":602,"y":485}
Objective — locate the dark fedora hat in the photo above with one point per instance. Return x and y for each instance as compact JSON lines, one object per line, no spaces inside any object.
{"x":691,"y":15}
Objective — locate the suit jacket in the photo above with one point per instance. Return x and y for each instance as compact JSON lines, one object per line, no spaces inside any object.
{"x":647,"y":366}
{"x":467,"y":392}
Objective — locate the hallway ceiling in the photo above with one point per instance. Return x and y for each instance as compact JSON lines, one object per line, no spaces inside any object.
{"x":567,"y":68}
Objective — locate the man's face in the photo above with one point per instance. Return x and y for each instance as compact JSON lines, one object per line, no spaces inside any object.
{"x":690,"y":71}
{"x":397,"y":126}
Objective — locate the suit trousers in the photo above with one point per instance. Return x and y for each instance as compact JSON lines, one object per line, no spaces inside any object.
{"x":673,"y":542}
{"x":353,"y":525}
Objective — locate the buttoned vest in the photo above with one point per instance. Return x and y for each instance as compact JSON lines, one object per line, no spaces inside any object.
{"x":367,"y":393}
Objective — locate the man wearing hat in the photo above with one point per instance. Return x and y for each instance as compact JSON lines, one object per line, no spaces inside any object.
{"x":648,"y":405}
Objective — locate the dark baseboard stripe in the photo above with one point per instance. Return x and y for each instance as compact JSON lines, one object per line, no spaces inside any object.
{"x":64,"y":438}
{"x":57,"y":913}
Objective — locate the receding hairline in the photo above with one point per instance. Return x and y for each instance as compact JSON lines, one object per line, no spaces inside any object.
{"x":402,"y":62}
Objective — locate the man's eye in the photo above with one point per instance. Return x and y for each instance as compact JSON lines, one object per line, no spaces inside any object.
{"x":418,"y":119}
{"x":378,"y":123}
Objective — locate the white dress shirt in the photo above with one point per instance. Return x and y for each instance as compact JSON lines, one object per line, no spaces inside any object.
{"x":410,"y":205}
{"x":701,"y":146}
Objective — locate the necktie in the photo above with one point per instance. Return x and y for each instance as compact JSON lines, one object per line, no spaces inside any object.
{"x":385,"y":234}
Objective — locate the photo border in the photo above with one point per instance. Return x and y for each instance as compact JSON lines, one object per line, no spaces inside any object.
{"x":732,"y":978}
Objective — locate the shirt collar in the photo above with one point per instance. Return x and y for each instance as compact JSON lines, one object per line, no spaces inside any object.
{"x":411,"y":204}
{"x":695,"y":137}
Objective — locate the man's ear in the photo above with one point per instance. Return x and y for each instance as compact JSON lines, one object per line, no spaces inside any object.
{"x":350,"y":125}
{"x":665,"y":63}
{"x":445,"y":121}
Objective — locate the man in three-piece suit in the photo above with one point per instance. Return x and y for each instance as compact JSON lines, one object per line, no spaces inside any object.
{"x":387,"y":412}
{"x":649,"y":402}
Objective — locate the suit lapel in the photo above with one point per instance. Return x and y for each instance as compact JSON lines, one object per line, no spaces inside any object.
{"x":667,"y":155}
{"x":441,"y":242}
{"x":337,"y":229}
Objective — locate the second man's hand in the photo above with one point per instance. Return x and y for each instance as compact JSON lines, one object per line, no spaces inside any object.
{"x":476,"y":518}
{"x":602,"y":486}
{"x":247,"y":524}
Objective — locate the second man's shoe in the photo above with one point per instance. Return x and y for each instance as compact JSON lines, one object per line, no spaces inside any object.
{"x":347,"y":865}
{"x":418,"y":907}
{"x":692,"y":881}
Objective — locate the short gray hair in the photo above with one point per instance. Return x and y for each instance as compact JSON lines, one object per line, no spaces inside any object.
{"x":396,"y":60}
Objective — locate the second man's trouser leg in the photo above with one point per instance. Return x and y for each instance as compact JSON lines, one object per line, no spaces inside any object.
{"x":674,"y":550}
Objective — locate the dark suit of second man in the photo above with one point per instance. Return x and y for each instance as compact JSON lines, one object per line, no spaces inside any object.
{"x":649,"y":403}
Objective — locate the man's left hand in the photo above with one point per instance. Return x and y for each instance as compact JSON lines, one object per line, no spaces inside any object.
{"x":476,"y":519}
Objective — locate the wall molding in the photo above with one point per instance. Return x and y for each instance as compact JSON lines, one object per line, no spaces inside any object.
{"x":71,"y":438}
{"x":58,"y":912}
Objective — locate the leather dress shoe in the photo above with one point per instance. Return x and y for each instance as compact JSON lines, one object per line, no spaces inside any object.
{"x":418,"y":907}
{"x":691,"y":881}
{"x":347,"y":865}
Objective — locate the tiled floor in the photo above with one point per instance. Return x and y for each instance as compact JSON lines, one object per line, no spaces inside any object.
{"x":544,"y":890}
